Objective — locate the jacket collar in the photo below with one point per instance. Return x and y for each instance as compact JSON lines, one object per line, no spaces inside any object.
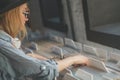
{"x":5,"y":36}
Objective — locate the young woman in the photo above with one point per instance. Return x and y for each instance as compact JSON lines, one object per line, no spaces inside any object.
{"x":12,"y":23}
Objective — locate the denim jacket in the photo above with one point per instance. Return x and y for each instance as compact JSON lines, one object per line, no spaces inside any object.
{"x":24,"y":65}
{"x":6,"y":71}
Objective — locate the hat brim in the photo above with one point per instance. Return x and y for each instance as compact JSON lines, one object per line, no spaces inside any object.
{"x":13,"y":5}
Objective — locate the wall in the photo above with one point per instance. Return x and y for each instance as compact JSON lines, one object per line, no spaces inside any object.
{"x":35,"y":15}
{"x":77,"y":20}
{"x":103,"y":12}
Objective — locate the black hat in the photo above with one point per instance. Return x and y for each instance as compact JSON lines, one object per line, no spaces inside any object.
{"x":6,"y":5}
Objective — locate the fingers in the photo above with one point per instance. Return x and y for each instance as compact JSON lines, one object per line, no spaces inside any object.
{"x":79,"y":59}
{"x":79,"y":65}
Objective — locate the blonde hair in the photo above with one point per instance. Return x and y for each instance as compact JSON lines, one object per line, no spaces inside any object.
{"x":11,"y":23}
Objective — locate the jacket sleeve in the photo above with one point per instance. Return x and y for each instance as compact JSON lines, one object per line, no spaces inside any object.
{"x":6,"y":71}
{"x":27,"y":66}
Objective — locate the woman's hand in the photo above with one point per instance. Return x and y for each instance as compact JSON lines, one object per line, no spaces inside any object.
{"x":74,"y":60}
